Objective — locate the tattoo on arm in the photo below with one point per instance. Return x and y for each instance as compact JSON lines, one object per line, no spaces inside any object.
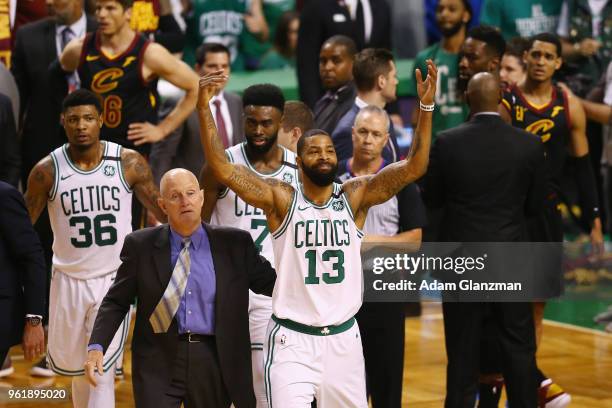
{"x":40,"y":183}
{"x":140,"y":177}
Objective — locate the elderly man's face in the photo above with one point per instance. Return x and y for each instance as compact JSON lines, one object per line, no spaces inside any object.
{"x":370,"y":135}
{"x":181,"y":199}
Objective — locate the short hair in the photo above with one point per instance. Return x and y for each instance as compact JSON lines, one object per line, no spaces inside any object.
{"x":548,"y":38}
{"x":309,"y":133}
{"x":281,"y":36}
{"x":81,"y":97}
{"x":213,"y":48}
{"x":368,"y":65}
{"x":466,"y":5}
{"x":372,"y":109}
{"x":264,"y":95}
{"x":297,"y":114}
{"x":491,"y":36}
{"x":126,"y":4}
{"x":344,"y":41}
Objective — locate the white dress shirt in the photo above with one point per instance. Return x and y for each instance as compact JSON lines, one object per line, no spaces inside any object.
{"x":225,"y":113}
{"x":79,"y":28}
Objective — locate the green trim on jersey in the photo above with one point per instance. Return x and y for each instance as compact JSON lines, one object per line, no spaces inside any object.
{"x":250,"y":166}
{"x":75,"y":168}
{"x":56,"y":178}
{"x":276,"y":234}
{"x":314,"y":330}
{"x":121,"y":176}
{"x":268,"y":362}
{"x":327,"y":203}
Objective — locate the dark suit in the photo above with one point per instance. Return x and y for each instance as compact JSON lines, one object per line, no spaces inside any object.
{"x":22,"y":268}
{"x":331,"y":108}
{"x":182,"y":148}
{"x":321,"y":19}
{"x":342,"y":137}
{"x":10,"y":157}
{"x":487,"y":176}
{"x":145,"y":273}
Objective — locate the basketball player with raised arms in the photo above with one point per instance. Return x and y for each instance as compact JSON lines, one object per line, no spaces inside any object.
{"x":263,"y":110}
{"x":312,"y":347}
{"x":87,"y":185}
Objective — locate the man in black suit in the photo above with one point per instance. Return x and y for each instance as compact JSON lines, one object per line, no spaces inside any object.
{"x":375,"y":77}
{"x":22,"y":277}
{"x":336,"y":72}
{"x":320,"y":19}
{"x":201,"y":359}
{"x":182,"y":147}
{"x":487,"y":176}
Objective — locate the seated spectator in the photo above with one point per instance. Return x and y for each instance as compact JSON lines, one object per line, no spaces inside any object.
{"x":282,"y":55}
{"x":336,"y":72}
{"x":297,"y":120}
{"x":375,"y":77}
{"x":182,"y":147}
{"x":512,"y":68}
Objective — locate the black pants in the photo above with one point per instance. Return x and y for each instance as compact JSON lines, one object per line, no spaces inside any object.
{"x":382,"y":333}
{"x":514,"y":330}
{"x":195,"y":380}
{"x":3,"y":354}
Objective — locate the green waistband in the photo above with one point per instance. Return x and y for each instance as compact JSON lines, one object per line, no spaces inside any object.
{"x":314,"y":330}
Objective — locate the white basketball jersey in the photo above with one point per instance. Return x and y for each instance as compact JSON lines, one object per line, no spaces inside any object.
{"x":318,"y":265}
{"x":90,"y":214}
{"x":232,"y":211}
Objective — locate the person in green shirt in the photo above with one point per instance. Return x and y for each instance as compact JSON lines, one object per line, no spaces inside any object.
{"x":285,"y":43}
{"x":452,"y":17}
{"x":521,"y":18}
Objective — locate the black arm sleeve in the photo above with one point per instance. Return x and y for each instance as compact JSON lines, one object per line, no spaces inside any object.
{"x":587,"y":190}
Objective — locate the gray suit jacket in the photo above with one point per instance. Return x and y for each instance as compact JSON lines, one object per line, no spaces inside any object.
{"x":182,"y":148}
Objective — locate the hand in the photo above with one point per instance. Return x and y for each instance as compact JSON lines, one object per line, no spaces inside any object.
{"x":33,"y":341}
{"x":95,"y":359}
{"x":597,"y":241}
{"x":426,"y":90}
{"x":144,"y":132}
{"x":209,"y":86}
{"x":588,"y":47}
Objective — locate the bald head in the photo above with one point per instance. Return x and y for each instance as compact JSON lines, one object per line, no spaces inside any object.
{"x":181,"y":200}
{"x":483,"y":93}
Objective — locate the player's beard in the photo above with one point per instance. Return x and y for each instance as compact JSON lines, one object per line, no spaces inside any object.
{"x":264,"y":148}
{"x":321,"y":179}
{"x":449,"y":32}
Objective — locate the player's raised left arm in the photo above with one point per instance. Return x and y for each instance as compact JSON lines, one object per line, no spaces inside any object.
{"x":159,"y":62}
{"x":138,"y":175}
{"x":365,"y":192}
{"x":579,"y":149}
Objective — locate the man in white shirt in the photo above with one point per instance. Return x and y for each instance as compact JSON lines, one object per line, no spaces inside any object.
{"x":182,"y":147}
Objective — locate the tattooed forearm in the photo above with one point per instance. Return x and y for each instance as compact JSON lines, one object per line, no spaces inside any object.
{"x":40,"y":183}
{"x":244,"y":182}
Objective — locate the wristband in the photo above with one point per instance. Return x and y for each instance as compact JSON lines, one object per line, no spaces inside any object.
{"x":427,"y":108}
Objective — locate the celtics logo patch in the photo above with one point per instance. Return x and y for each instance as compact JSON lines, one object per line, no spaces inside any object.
{"x":338,"y":205}
{"x":288,"y":178}
{"x":109,"y":171}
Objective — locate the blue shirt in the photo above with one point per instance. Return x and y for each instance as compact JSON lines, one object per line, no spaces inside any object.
{"x":196,"y":312}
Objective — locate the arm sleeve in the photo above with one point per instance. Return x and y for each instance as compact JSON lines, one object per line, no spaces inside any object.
{"x":25,"y":247}
{"x":169,"y":34}
{"x":412,"y":212}
{"x":587,"y":189}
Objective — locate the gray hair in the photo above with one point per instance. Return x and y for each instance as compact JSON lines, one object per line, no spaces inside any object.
{"x":371,"y":109}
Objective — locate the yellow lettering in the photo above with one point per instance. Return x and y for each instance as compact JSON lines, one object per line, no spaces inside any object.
{"x":106,"y":80}
{"x":540,"y":127}
{"x":556,"y":111}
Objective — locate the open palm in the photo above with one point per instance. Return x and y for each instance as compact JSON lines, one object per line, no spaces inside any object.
{"x":426,"y":89}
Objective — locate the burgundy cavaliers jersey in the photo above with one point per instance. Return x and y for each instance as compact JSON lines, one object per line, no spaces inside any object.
{"x":127,"y":97}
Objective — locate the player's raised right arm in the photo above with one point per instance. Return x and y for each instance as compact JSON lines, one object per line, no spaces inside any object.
{"x":254,"y":190}
{"x":40,"y":183}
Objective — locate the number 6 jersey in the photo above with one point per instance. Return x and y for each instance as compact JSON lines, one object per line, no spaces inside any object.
{"x":90,"y":214}
{"x":318,"y":264}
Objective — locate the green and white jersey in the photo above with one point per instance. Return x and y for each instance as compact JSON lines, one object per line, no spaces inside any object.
{"x":218,"y":21}
{"x":232,"y":211}
{"x":450,"y":110}
{"x":318,"y":265}
{"x":522,"y":18}
{"x":90,"y":214}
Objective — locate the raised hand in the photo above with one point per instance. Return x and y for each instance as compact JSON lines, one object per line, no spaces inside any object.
{"x":209,"y":86}
{"x":426,"y":89}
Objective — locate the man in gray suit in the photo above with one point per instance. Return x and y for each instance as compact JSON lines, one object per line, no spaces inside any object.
{"x":182,"y":147}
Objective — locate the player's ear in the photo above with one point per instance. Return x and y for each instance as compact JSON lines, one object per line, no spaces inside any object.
{"x":62,"y":122}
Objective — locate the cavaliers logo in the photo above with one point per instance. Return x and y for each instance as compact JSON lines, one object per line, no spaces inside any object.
{"x":542,"y":129}
{"x":106,"y":80}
